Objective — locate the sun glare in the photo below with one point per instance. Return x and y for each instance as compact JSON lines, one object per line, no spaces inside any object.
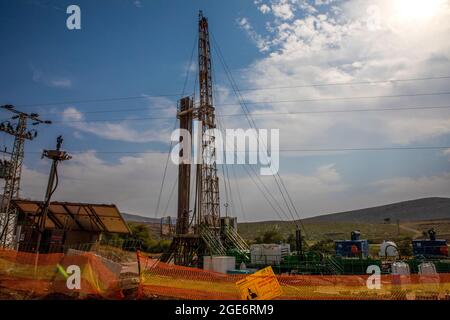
{"x":418,"y":10}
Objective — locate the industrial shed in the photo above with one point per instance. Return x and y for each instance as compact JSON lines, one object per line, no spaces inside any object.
{"x":67,"y":224}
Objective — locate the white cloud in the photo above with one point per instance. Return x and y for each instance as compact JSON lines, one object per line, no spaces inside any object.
{"x":446,"y":152}
{"x":61,"y":83}
{"x":311,"y":193}
{"x":132,"y":183}
{"x":323,"y":2}
{"x":137,"y":4}
{"x":424,"y":186}
{"x":72,"y":114}
{"x":328,"y":173}
{"x":264,"y":8}
{"x":78,"y":135}
{"x":304,"y":45}
{"x":39,"y":76}
{"x":337,"y":45}
{"x":126,"y":130}
{"x":260,"y":42}
{"x":283,"y":10}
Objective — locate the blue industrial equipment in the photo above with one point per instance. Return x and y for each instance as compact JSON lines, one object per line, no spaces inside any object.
{"x":430,"y":248}
{"x":352,"y":248}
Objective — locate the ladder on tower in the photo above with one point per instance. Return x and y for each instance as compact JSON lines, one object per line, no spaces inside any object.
{"x":334,"y":266}
{"x":214,"y":245}
{"x":236,"y":240}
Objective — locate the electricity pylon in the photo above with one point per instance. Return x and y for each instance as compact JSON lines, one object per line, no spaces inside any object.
{"x":8,"y":218}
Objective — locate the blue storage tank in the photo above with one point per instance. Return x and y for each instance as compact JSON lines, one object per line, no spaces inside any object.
{"x":430,"y":247}
{"x":352,"y":248}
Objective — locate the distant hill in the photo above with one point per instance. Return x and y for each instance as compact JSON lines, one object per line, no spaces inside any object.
{"x":415,"y":216}
{"x":412,"y":210}
{"x":136,"y":218}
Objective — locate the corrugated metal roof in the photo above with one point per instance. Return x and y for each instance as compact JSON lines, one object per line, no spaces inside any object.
{"x":76,"y":216}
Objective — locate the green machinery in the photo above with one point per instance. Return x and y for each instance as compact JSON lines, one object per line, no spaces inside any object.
{"x":317,"y":263}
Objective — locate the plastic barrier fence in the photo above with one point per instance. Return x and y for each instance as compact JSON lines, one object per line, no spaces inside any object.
{"x":176,"y":282}
{"x":49,"y":276}
{"x":28,"y":275}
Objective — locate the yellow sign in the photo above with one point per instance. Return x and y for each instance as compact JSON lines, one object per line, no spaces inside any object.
{"x":262,"y":285}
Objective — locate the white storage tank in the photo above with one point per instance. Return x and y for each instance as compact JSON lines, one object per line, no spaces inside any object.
{"x":207,"y":263}
{"x":256,"y":254}
{"x":388,"y":249}
{"x":427,"y":269}
{"x":268,"y":253}
{"x":429,"y":276}
{"x":222,"y":263}
{"x":400,"y":273}
{"x":400,"y":268}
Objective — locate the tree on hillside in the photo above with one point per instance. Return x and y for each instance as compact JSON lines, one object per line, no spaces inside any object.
{"x":270,"y":236}
{"x":405,"y":247}
{"x":293,"y":243}
{"x":323,"y":246}
{"x":141,"y":233}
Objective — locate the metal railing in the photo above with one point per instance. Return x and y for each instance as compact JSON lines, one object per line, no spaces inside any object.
{"x":214,"y":245}
{"x":235,"y":238}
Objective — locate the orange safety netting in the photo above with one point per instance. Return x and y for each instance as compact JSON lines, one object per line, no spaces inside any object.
{"x":45,"y":274}
{"x":32,"y":276}
{"x":178,"y":282}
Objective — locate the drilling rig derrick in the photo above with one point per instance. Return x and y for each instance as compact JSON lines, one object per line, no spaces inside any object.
{"x":198,"y":234}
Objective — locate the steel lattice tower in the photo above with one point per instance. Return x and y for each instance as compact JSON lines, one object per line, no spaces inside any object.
{"x":12,"y":179}
{"x":208,"y":183}
{"x":202,"y":237}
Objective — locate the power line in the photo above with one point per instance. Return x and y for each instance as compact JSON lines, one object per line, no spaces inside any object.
{"x":262,"y":102}
{"x":367,"y":149}
{"x":341,"y":111}
{"x":241,"y":205}
{"x":158,"y":203}
{"x":281,"y":150}
{"x":267,"y":114}
{"x":340,"y":98}
{"x":251,"y":122}
{"x":266,"y":196}
{"x":160,"y":95}
{"x":351,"y":83}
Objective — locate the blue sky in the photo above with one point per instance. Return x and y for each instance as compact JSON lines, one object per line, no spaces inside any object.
{"x":142,"y":49}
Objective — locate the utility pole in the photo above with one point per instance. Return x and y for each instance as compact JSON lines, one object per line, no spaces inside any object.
{"x":298,"y":242}
{"x":56,"y":156}
{"x":14,"y":170}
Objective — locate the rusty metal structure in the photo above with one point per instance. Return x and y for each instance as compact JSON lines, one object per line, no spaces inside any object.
{"x":200,"y":231}
{"x":8,"y":216}
{"x":66,"y":225}
{"x":208,"y":203}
